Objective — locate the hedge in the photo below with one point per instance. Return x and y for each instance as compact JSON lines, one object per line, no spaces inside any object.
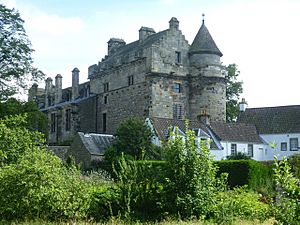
{"x":246,"y":172}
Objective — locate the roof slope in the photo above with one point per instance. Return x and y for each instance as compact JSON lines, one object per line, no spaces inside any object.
{"x":138,"y":45}
{"x":96,"y":143}
{"x":273,"y":120}
{"x":237,"y":132}
{"x":204,"y":43}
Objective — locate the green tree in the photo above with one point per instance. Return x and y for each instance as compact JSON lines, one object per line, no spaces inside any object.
{"x":134,"y":138}
{"x":36,"y":120}
{"x":16,"y":70}
{"x":191,"y":183}
{"x":233,"y":90}
{"x":16,"y":139}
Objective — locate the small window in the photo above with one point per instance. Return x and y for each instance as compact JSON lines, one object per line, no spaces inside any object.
{"x":233,"y":149}
{"x":106,"y":87}
{"x":177,"y":88}
{"x":53,"y":122}
{"x":105,"y":99}
{"x":294,"y":144}
{"x":104,"y":122}
{"x":177,"y":111}
{"x":250,"y":150}
{"x":130,"y":80}
{"x":68,"y":119}
{"x":178,"y":57}
{"x":283,"y":146}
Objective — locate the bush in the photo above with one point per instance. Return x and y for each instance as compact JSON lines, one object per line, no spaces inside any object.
{"x":40,"y":186}
{"x":105,"y":202}
{"x":190,"y":184}
{"x":238,"y":156}
{"x":246,"y":172}
{"x":238,"y":203}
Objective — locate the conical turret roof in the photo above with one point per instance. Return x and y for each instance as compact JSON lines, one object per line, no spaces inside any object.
{"x":204,"y":43}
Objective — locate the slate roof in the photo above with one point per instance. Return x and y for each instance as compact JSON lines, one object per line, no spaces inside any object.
{"x":163,"y":125}
{"x":96,"y":143}
{"x":236,"y":132}
{"x":204,"y":43}
{"x":138,"y":45}
{"x":273,"y":120}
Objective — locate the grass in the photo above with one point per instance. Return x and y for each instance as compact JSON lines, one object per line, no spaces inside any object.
{"x":116,"y":221}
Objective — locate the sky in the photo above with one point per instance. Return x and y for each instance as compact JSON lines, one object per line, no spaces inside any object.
{"x":261,"y":36}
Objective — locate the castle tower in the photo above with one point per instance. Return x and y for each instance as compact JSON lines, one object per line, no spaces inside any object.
{"x":207,"y":81}
{"x":48,"y":92}
{"x":75,"y":83}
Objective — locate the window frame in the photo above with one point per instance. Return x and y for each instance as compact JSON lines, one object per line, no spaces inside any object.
{"x":292,"y":148}
{"x":178,"y":111}
{"x":106,"y":87}
{"x":177,"y":57}
{"x":177,"y":87}
{"x":53,"y":122}
{"x":250,"y":149}
{"x":283,"y":144}
{"x":130,"y":80}
{"x":233,"y":149}
{"x":68,"y":119}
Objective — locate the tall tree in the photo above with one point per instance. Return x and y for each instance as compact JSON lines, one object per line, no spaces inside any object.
{"x":233,"y":90}
{"x":16,"y":69}
{"x":35,"y":119}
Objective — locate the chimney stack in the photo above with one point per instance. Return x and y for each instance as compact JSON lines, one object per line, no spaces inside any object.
{"x":145,"y":32}
{"x":243,"y":105}
{"x":114,"y":44}
{"x":58,"y":89}
{"x":204,"y":117}
{"x":173,"y":24}
{"x":75,"y":83}
{"x":48,"y":90}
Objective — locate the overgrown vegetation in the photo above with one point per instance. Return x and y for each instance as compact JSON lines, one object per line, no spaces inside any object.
{"x":187,"y":184}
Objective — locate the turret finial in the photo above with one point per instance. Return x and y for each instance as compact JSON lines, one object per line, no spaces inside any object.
{"x":203,"y":15}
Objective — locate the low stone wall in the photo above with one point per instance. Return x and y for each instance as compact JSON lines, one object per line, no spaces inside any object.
{"x":60,"y":151}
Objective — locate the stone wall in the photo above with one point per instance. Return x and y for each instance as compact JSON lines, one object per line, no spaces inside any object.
{"x":123,"y":103}
{"x":87,"y":115}
{"x":164,"y":98}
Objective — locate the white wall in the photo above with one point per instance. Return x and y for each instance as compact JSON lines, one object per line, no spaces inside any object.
{"x":277,"y":139}
{"x":258,"y":152}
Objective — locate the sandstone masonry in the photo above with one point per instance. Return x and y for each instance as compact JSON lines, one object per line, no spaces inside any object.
{"x":159,"y":75}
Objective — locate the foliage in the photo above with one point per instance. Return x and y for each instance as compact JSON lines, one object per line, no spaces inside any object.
{"x":105,"y":202}
{"x":246,"y":172}
{"x":36,"y":120}
{"x":239,"y":203}
{"x":294,"y":161}
{"x":140,"y":187}
{"x":233,"y":90}
{"x":190,"y":185}
{"x":15,"y":59}
{"x":287,"y":207}
{"x":15,"y":139}
{"x":238,"y":156}
{"x":40,"y":186}
{"x":133,"y":138}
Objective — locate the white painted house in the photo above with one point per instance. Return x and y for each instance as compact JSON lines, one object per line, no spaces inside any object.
{"x":226,"y":138}
{"x":279,"y":125}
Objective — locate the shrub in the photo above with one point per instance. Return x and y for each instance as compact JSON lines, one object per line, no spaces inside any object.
{"x":238,"y":203}
{"x":190,"y":184}
{"x":105,"y":202}
{"x":287,"y":206}
{"x":238,"y":156}
{"x":40,"y":186}
{"x":246,"y":172}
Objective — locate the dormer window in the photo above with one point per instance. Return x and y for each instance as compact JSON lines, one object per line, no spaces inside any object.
{"x":177,"y":57}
